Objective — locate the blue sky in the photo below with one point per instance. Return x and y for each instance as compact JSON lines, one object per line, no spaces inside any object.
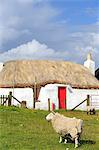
{"x":78,"y":11}
{"x":49,"y":29}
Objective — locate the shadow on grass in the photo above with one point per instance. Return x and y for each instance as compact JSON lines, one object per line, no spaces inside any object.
{"x":83,"y":142}
{"x":87,"y":142}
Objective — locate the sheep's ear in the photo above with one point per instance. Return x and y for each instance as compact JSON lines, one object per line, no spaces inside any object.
{"x":53,"y":112}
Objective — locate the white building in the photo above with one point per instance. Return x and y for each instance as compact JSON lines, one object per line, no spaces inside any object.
{"x":66,"y":84}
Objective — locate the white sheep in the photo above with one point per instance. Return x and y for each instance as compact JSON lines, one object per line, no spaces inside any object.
{"x":66,"y":127}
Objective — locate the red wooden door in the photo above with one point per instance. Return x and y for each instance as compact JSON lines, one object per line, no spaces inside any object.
{"x":62,"y":97}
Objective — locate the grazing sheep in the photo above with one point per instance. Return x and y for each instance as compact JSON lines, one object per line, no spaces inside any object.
{"x":66,"y":127}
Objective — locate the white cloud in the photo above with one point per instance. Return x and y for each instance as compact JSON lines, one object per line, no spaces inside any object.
{"x":32,"y":50}
{"x":85,"y":42}
{"x":15,"y":18}
{"x":86,"y":38}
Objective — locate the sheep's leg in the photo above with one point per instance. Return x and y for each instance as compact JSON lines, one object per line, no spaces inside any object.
{"x":73,"y":133}
{"x":60,"y":139}
{"x":78,"y":139}
{"x":65,"y":141}
{"x":76,"y":142}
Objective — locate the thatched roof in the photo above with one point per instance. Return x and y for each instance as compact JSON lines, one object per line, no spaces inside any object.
{"x":23,"y":73}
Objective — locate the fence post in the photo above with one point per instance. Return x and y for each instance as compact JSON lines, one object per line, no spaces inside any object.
{"x":48,"y":104}
{"x":9,"y":98}
{"x":1,"y":101}
{"x":23,"y":104}
{"x":88,"y":100}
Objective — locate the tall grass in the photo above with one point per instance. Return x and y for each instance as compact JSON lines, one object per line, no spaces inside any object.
{"x":24,"y":129}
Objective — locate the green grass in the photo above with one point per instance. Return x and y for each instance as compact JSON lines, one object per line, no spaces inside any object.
{"x":24,"y":129}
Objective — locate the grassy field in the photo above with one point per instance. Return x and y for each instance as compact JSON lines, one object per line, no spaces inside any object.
{"x":24,"y":129}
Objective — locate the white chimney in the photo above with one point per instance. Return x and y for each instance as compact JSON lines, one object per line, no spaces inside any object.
{"x":1,"y":66}
{"x":90,"y":64}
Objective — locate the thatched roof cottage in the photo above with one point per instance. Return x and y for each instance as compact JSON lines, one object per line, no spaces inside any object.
{"x":40,"y":76}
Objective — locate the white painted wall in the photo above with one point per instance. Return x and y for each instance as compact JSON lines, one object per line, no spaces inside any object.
{"x":78,"y":95}
{"x":22,"y":94}
{"x":49,"y":91}
{"x":74,"y":96}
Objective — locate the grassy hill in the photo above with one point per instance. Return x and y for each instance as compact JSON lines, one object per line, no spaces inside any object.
{"x":24,"y":129}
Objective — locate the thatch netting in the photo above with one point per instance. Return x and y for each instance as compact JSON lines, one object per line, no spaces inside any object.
{"x":26,"y":73}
